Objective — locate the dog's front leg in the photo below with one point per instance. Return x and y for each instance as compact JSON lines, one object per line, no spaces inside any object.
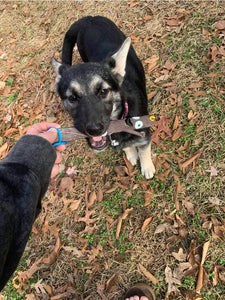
{"x":131,"y":154}
{"x":147,"y":167}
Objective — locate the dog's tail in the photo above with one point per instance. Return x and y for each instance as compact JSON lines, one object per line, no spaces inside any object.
{"x":68,"y":44}
{"x":71,"y":39}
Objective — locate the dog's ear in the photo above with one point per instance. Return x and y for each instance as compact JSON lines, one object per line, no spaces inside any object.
{"x":56,"y":65}
{"x":59,"y":68}
{"x":119,"y":59}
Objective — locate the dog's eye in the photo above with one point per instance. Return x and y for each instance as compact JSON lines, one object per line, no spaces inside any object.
{"x":73,"y":98}
{"x":103,"y":92}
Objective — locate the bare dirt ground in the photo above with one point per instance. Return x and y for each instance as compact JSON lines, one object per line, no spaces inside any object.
{"x":103,"y":227}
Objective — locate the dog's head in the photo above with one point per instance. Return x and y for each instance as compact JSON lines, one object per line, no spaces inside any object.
{"x":91,"y":93}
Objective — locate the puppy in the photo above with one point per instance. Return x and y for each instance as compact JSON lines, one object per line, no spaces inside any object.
{"x":109,"y":85}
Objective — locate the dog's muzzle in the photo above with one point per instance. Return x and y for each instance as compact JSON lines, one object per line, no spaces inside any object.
{"x":97,"y":140}
{"x":98,"y":143}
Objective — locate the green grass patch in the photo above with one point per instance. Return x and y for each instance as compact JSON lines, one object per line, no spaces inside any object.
{"x":113,"y":203}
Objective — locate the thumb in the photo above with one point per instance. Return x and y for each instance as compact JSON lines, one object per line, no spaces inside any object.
{"x":51,"y":135}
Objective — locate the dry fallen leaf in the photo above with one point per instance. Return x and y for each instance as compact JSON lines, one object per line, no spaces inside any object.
{"x":151,"y":95}
{"x":173,"y":22}
{"x":76,"y":252}
{"x":179,"y":188}
{"x":191,"y":114}
{"x":74,"y":204}
{"x":177,"y":134}
{"x":2,"y":85}
{"x":41,"y":263}
{"x":148,"y":195}
{"x":162,"y":227}
{"x":219,"y":274}
{"x":189,"y":206}
{"x":112,"y":282}
{"x":222,"y":276}
{"x":201,"y":277}
{"x":150,"y":277}
{"x":181,"y":269}
{"x":121,"y":218}
{"x":212,"y":171}
{"x":162,"y":126}
{"x":199,"y":93}
{"x":3,"y":150}
{"x":214,"y":200}
{"x":173,"y":278}
{"x":100,"y":290}
{"x":100,"y":195}
{"x":195,"y":85}
{"x":176,"y":122}
{"x":39,"y":287}
{"x":220,"y":25}
{"x":145,"y":224}
{"x":180,"y":255}
{"x":120,"y":170}
{"x":53,"y":229}
{"x":67,"y":184}
{"x":146,"y":18}
{"x":128,"y":165}
{"x":191,"y":160}
{"x":51,"y":258}
{"x":133,"y":3}
{"x":212,"y":75}
{"x":28,"y":297}
{"x":214,"y":52}
{"x":169,"y":65}
{"x":161,"y":78}
{"x":92,"y":197}
{"x":171,"y":281}
{"x":152,"y":63}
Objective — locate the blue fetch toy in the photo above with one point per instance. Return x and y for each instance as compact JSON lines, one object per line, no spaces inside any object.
{"x":60,"y":138}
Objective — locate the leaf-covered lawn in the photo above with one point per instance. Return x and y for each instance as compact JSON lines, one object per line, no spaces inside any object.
{"x":103,"y":227}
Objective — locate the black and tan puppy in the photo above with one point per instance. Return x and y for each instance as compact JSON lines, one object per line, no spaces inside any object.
{"x":109,"y":85}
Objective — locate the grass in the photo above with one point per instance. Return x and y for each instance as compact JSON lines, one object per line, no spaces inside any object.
{"x":11,"y":293}
{"x":9,"y":81}
{"x":113,"y":203}
{"x":190,"y":50}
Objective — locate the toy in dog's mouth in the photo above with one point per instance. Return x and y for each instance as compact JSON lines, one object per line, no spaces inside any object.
{"x":98,"y":143}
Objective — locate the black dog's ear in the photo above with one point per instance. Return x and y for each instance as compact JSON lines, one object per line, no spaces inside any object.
{"x":56,"y":64}
{"x":59,"y":68}
{"x":117,"y":61}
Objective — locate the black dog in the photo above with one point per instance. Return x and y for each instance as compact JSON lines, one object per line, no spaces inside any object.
{"x":109,"y":85}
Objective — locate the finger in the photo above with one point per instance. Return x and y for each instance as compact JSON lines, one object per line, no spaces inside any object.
{"x":40,"y":127}
{"x":55,"y":170}
{"x":60,"y":147}
{"x":58,"y":157}
{"x":51,"y":135}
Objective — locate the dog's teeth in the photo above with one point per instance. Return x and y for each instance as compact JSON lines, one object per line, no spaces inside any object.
{"x":105,"y":134}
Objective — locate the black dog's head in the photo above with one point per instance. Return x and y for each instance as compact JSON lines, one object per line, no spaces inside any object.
{"x":91,"y":93}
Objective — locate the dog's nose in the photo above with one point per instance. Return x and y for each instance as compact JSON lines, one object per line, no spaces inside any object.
{"x":95,"y":129}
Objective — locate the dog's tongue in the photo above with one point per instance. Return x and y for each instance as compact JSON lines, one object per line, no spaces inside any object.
{"x":97,"y":138}
{"x":98,"y":142}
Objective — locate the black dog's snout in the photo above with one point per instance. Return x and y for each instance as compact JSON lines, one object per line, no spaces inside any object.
{"x":95,"y":129}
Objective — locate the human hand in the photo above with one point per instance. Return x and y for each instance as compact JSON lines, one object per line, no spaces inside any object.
{"x":41,"y":129}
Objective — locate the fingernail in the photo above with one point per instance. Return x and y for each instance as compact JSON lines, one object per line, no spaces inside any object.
{"x":52,"y":130}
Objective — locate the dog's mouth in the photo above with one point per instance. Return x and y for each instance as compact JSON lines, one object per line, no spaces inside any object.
{"x":98,"y":143}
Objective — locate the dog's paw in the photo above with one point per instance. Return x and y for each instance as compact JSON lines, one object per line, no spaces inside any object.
{"x":133,"y":160}
{"x":148,"y":170}
{"x":132,"y":155}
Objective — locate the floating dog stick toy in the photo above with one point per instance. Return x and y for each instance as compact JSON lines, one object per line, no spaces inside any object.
{"x":131,"y":125}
